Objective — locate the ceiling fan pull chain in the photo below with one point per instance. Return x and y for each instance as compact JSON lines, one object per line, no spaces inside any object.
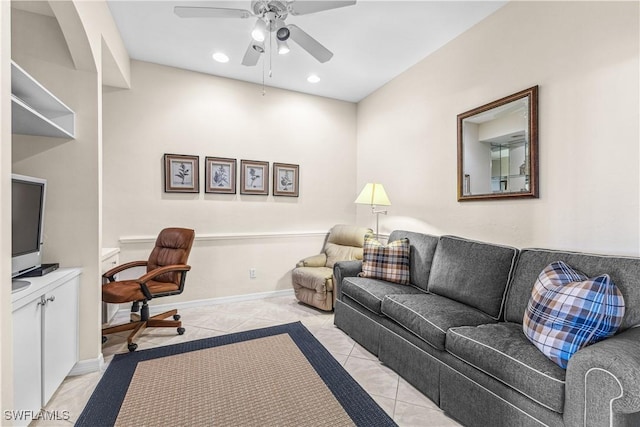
{"x":263,"y":89}
{"x":270,"y":54}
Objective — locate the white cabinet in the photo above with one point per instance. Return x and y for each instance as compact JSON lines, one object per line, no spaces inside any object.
{"x":35,"y":110}
{"x":27,"y":350}
{"x":45,"y":336}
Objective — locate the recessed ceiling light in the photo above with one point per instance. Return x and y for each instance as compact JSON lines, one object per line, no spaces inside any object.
{"x":313,"y":78}
{"x":220,"y":57}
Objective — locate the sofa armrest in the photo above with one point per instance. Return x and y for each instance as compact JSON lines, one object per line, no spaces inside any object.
{"x":603,"y":382}
{"x":342,"y":269}
{"x":319,"y":260}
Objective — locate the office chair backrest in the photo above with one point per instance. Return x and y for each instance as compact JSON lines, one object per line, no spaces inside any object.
{"x":173,"y":246}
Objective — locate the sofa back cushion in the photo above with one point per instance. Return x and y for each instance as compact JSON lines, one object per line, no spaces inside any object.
{"x":623,"y":271}
{"x":473,"y":273}
{"x":421,"y":251}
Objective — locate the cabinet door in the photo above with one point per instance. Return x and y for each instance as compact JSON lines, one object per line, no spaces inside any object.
{"x":26,"y":358}
{"x":60,"y":336}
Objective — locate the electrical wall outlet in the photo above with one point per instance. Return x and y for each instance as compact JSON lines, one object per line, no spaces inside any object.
{"x":252,"y":273}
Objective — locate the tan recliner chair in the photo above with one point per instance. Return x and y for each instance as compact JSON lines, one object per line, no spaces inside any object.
{"x":313,"y":276}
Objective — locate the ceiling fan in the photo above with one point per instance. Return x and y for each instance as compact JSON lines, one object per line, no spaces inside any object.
{"x":271,"y":16}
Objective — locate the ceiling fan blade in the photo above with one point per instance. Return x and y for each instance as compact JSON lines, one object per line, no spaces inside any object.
{"x":251,"y":56}
{"x":210,"y":12}
{"x":308,"y":43}
{"x":304,"y":7}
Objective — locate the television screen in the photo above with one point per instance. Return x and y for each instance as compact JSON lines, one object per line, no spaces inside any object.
{"x":27,"y":211}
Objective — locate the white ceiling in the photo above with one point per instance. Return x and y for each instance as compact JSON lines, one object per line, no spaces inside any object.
{"x":372,"y":41}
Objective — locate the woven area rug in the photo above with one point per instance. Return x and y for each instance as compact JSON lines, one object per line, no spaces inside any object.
{"x":278,"y":376}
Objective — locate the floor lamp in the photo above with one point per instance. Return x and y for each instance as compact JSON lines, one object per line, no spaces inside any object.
{"x":374,"y":195}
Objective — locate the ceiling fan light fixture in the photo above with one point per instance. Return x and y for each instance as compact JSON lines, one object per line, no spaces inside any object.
{"x":283,"y":47}
{"x":259,"y":31}
{"x":220,"y":57}
{"x":283,"y":34}
{"x":313,"y":78}
{"x":258,"y":47}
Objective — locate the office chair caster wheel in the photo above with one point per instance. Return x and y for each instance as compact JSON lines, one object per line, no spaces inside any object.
{"x":180,"y":331}
{"x":104,"y":339}
{"x":132,"y":346}
{"x":176,"y":317}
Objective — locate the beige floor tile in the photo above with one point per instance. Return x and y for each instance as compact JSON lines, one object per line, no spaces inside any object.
{"x":374,"y":377}
{"x":73,"y":394}
{"x":408,"y":415}
{"x":334,"y":340}
{"x":251,"y":324}
{"x":362,"y":353}
{"x":409,"y":394}
{"x":386,"y":403}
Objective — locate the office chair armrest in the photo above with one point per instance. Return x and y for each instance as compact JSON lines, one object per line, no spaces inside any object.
{"x":157,"y":272}
{"x":119,"y":268}
{"x":163,"y":270}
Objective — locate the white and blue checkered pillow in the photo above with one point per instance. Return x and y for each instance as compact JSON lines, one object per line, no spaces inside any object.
{"x":568,"y":311}
{"x":390,"y":263}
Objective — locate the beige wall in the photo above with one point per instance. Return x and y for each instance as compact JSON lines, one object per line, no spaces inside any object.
{"x":6,"y":352}
{"x":71,"y":167}
{"x":168,"y":110}
{"x":584,"y":57}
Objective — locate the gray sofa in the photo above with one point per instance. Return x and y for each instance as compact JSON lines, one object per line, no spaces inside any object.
{"x":455,"y":333}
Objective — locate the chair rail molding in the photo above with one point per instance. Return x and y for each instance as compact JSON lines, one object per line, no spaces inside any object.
{"x":232,"y":236}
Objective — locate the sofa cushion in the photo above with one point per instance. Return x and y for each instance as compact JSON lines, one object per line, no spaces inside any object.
{"x":473,"y":273}
{"x":504,"y":352}
{"x":428,"y":316}
{"x":568,"y":311}
{"x":390,"y":262}
{"x":422,"y":248}
{"x":369,"y":293}
{"x":624,"y":272}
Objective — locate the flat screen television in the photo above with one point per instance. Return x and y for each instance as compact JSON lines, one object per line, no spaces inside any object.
{"x":27,"y":223}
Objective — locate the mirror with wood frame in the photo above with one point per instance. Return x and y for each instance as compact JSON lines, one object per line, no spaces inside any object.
{"x":498,"y":148}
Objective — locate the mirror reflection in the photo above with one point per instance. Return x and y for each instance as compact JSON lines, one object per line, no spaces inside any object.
{"x":496,"y":149}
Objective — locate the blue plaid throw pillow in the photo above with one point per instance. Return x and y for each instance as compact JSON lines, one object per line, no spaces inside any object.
{"x":568,"y":311}
{"x":390,"y":263}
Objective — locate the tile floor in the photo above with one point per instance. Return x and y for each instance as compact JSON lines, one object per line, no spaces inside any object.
{"x":401,"y":401}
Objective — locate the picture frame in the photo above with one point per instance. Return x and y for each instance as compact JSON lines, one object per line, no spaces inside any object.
{"x":181,"y":173}
{"x":220,"y":175}
{"x":286,"y":178}
{"x":254,"y":177}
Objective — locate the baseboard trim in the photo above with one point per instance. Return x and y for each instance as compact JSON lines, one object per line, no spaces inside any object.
{"x":153,"y":309}
{"x":87,"y":366}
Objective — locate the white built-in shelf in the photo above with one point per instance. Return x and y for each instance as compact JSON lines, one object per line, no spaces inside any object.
{"x":35,"y":110}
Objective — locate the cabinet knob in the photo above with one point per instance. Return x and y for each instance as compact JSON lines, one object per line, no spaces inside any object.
{"x":52,"y":298}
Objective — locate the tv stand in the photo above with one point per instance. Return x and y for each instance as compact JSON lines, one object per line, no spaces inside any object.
{"x":18,"y":285}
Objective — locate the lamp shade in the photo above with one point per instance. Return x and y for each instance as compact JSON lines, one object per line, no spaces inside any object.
{"x":373,"y":194}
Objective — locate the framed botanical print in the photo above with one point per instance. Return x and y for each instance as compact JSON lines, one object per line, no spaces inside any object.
{"x":220,"y":175}
{"x":181,"y":173}
{"x":285,"y":179}
{"x":254,"y":177}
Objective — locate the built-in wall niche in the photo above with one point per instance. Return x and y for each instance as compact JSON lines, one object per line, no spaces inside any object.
{"x":35,"y":110}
